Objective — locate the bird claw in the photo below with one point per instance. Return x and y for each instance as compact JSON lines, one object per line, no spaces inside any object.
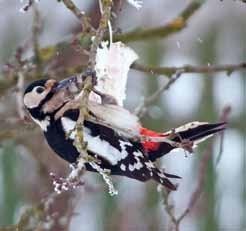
{"x":187,"y":145}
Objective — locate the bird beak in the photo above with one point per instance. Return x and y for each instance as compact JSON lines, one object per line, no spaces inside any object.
{"x":61,"y":94}
{"x":63,"y":85}
{"x":71,"y":85}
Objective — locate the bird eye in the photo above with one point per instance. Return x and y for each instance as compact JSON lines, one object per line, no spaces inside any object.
{"x":40,"y":90}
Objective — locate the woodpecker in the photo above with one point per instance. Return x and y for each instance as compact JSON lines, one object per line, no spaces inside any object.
{"x":113,"y":142}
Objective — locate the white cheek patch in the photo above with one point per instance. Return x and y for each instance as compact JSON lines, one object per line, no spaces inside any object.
{"x":96,"y":145}
{"x":68,"y":126}
{"x":43,"y":123}
{"x":32,"y":99}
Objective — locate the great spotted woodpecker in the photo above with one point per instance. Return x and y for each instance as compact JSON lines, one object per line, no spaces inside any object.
{"x":47,"y":102}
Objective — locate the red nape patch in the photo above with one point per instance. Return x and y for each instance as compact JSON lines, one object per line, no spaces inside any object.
{"x":148,"y":145}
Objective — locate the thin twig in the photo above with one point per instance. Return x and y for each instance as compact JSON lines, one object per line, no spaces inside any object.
{"x":142,"y":107}
{"x":40,"y":214}
{"x":169,"y":208}
{"x":169,"y":71}
{"x":223,"y":118}
{"x":11,"y":79}
{"x":88,"y":85}
{"x":36,"y":30}
{"x":201,"y":179}
{"x":79,"y":142}
{"x":19,"y":95}
{"x":27,"y":6}
{"x":174,"y":26}
{"x":107,"y":7}
{"x":195,"y":195}
{"x":86,"y":26}
{"x":35,"y":216}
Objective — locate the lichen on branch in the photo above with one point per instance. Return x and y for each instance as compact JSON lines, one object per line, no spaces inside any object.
{"x":79,"y":142}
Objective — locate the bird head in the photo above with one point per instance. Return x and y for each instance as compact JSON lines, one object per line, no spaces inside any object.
{"x":44,"y":97}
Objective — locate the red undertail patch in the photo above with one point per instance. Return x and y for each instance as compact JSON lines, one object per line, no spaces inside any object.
{"x":148,"y":145}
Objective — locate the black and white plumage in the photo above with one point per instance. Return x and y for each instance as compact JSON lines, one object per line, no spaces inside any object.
{"x":46,"y":101}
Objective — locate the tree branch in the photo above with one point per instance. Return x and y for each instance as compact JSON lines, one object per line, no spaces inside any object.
{"x":224,"y":118}
{"x":86,"y":26}
{"x":174,"y":26}
{"x":47,"y":54}
{"x":168,"y":71}
{"x":175,"y":73}
{"x":88,"y":85}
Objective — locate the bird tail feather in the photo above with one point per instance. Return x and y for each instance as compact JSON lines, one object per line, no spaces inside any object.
{"x":194,"y":132}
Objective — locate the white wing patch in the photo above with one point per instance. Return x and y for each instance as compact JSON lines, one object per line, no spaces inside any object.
{"x":97,"y":145}
{"x":138,"y":165}
{"x":43,"y":123}
{"x":123,"y":167}
{"x":68,"y":126}
{"x":138,"y":153}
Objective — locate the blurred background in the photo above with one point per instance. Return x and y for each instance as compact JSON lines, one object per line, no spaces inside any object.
{"x":216,"y":34}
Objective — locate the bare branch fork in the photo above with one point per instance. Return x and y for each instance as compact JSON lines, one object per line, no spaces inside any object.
{"x":175,"y":73}
{"x":207,"y":155}
{"x":142,"y":107}
{"x":86,"y":26}
{"x":176,"y":25}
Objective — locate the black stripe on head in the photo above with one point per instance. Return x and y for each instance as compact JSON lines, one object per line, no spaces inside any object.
{"x":40,"y":82}
{"x":37,"y":112}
